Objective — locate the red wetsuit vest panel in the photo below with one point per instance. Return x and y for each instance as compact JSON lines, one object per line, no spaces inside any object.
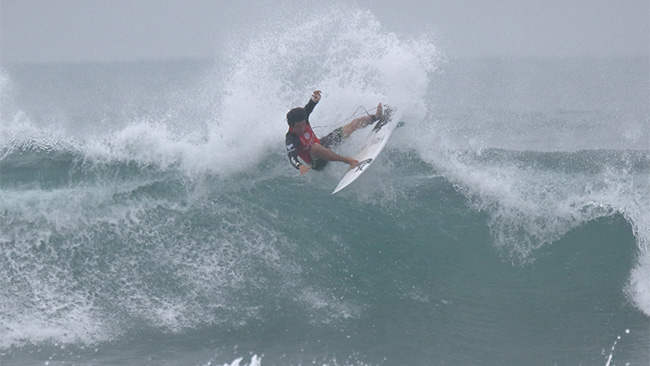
{"x":307,"y":140}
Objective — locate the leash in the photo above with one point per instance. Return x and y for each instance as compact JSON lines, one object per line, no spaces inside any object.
{"x":347,"y":120}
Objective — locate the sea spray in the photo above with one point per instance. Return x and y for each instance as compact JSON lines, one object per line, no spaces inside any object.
{"x":347,"y":55}
{"x":611,"y":354}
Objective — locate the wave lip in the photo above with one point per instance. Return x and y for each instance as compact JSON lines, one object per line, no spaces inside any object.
{"x":532,"y":199}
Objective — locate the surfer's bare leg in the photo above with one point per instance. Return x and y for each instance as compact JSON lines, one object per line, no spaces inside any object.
{"x":321,"y":152}
{"x":361,"y":122}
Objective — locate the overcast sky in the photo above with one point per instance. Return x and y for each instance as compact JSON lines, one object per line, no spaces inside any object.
{"x":126,"y":30}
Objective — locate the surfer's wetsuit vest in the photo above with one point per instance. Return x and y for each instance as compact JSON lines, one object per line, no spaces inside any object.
{"x":307,"y":140}
{"x":299,"y":146}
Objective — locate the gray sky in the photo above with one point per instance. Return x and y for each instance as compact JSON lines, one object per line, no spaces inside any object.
{"x":127,"y":30}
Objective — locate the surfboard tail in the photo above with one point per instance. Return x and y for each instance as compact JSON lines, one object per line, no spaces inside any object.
{"x":386,"y":117}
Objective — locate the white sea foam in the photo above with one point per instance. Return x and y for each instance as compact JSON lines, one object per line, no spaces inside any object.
{"x":347,"y":55}
{"x":255,"y":361}
{"x":239,"y":110}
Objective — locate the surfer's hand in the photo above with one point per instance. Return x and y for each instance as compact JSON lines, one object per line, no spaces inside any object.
{"x":304,"y":169}
{"x":316,"y":96}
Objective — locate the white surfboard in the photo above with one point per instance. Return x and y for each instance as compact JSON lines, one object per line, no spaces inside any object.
{"x":372,"y":146}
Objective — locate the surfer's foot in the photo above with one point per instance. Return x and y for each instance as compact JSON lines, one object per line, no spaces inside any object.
{"x":352,"y":162}
{"x":379,"y":112}
{"x":372,"y":118}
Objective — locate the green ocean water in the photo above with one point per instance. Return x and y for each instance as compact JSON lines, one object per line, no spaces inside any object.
{"x":401,"y":268}
{"x":149,"y":215}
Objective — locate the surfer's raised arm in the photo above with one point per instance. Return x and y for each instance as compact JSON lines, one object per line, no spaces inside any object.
{"x":315,"y":98}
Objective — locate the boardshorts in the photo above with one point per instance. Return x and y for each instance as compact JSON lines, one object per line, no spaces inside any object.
{"x":331,"y":140}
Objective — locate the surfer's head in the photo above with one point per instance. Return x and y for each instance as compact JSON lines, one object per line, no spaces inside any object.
{"x":296,"y":115}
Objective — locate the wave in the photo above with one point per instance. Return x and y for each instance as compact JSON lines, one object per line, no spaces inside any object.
{"x":183,"y":220}
{"x":533,"y":198}
{"x":83,"y":241}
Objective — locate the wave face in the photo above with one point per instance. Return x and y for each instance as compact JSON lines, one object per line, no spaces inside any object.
{"x":157,"y":216}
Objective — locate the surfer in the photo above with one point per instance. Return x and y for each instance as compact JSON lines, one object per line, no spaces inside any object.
{"x":302,"y":142}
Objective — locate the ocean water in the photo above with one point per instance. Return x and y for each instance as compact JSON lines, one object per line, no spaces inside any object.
{"x":149,"y":214}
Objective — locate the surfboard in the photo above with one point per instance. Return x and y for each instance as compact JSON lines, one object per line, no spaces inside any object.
{"x":372,"y":146}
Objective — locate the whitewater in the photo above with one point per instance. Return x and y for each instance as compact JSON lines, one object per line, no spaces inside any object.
{"x":149,"y":213}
